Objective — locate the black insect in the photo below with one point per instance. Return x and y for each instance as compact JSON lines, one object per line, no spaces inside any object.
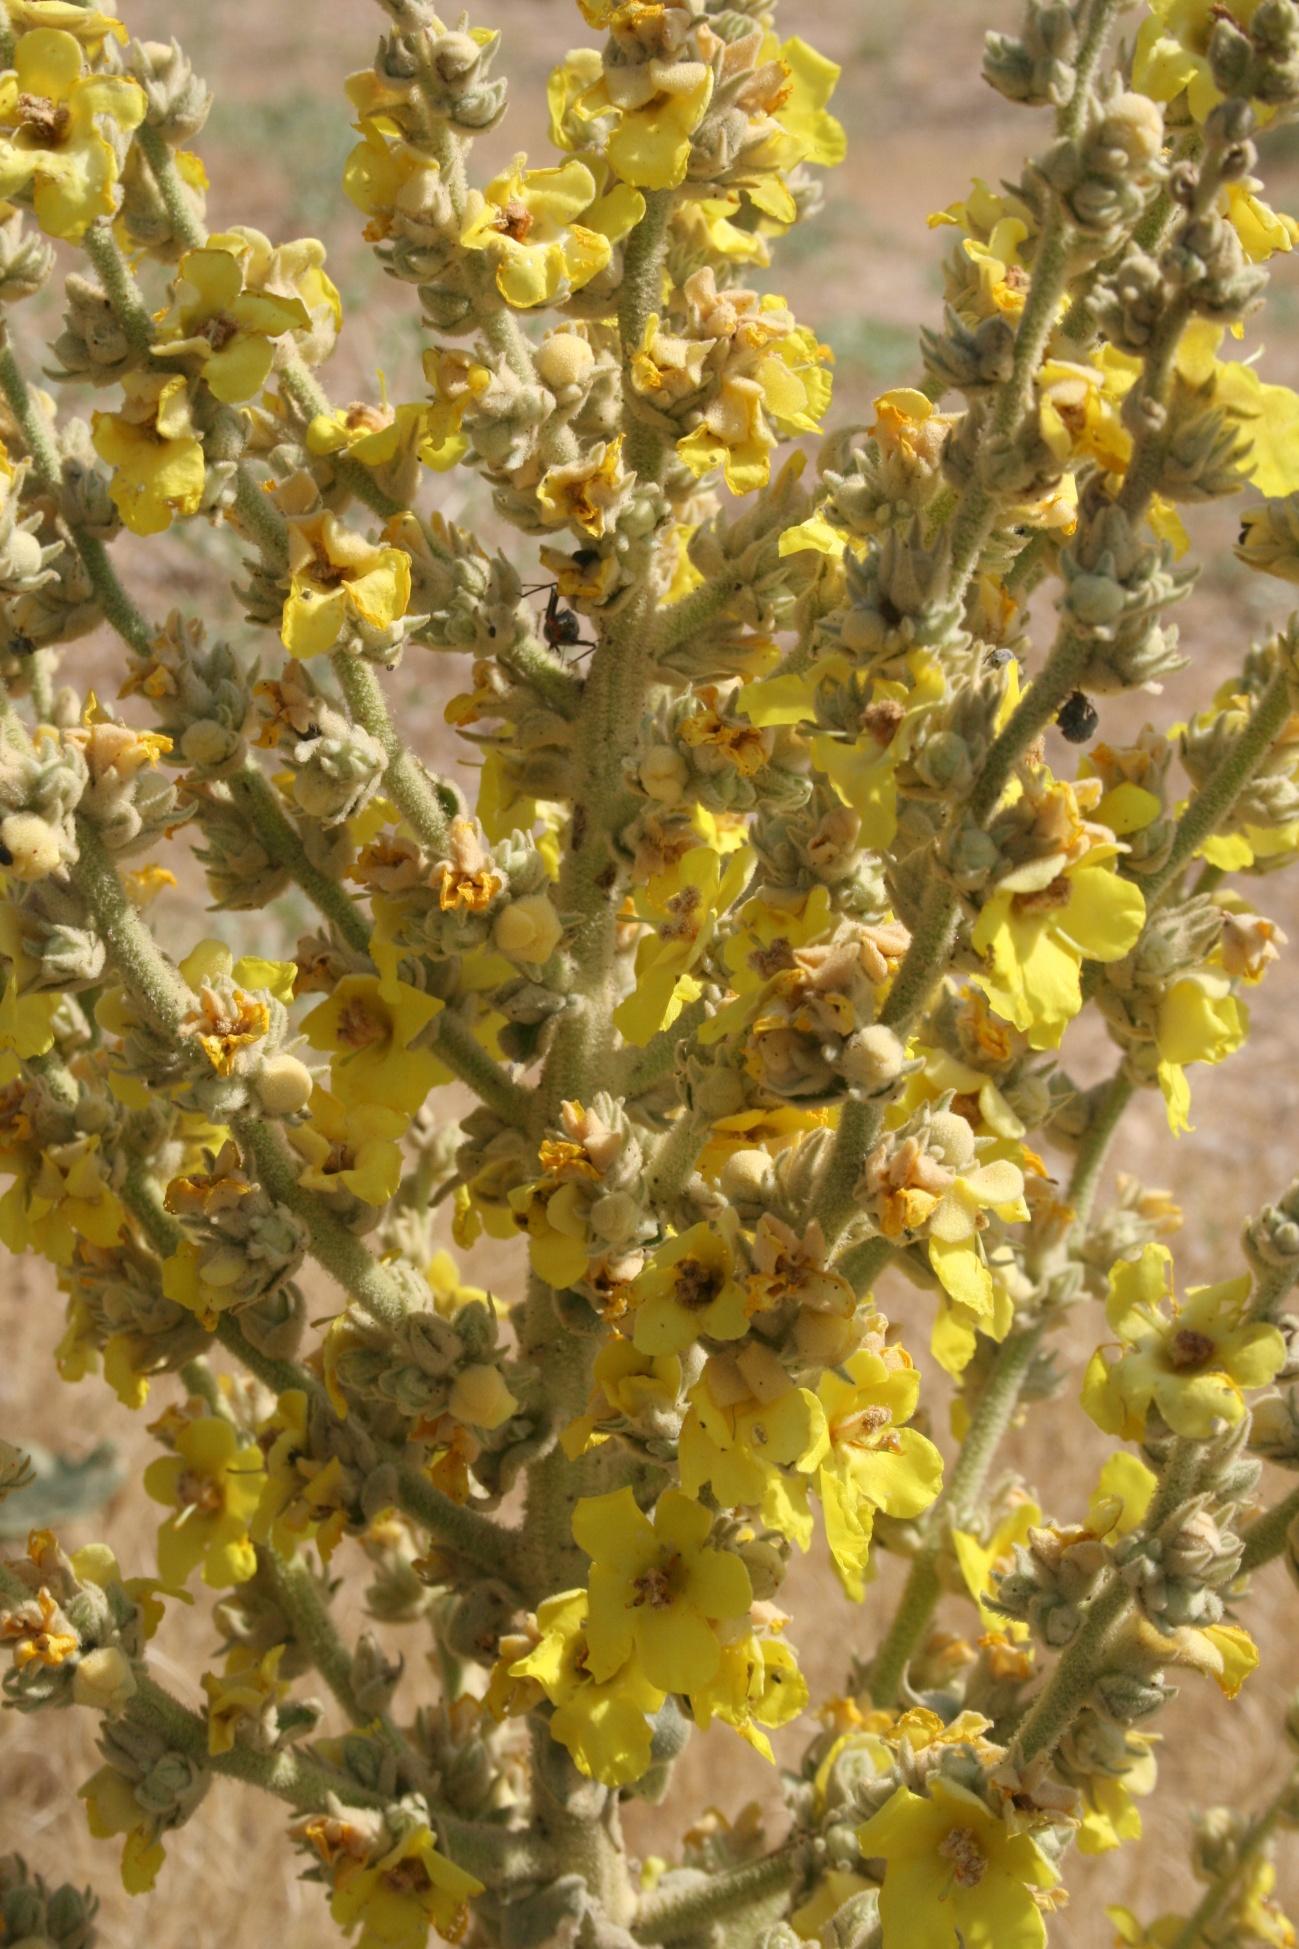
{"x":1078,"y":718}
{"x":561,"y":626}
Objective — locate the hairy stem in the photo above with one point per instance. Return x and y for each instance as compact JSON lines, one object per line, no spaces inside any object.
{"x":405,"y":779}
{"x":686,"y":1912}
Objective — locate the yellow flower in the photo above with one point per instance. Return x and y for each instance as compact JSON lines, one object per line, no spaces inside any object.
{"x":227,"y":329}
{"x":214,"y":1486}
{"x":248,"y":1686}
{"x":299,"y":1497}
{"x":396,"y":1897}
{"x":386,"y":178}
{"x":808,"y":131}
{"x":586,"y":493}
{"x":38,"y":1631}
{"x":871,"y":1461}
{"x":1191,"y":1361}
{"x":602,"y":1724}
{"x":50,"y":133}
{"x":1199,"y":1020}
{"x":62,"y":1195}
{"x":758,"y":1684}
{"x":351,"y":1147}
{"x":367,"y":1026}
{"x":154,"y":451}
{"x":1262,"y":230}
{"x":87,"y":23}
{"x":784,"y":390}
{"x":527,"y":221}
{"x":1035,"y":933}
{"x":979,"y":1556}
{"x":654,"y":108}
{"x":1172,"y":51}
{"x":337,"y":578}
{"x":656,"y":1589}
{"x":746,"y":1428}
{"x":955,"y":1873}
{"x":690,"y":1290}
{"x":294,"y":270}
{"x":628,"y":1388}
{"x":112,"y":1808}
{"x":684,"y":907}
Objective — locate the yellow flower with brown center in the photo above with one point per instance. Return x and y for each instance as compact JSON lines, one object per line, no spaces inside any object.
{"x":339,"y":581}
{"x":154,"y":451}
{"x":367,"y":1026}
{"x":51,"y":135}
{"x":222,"y":327}
{"x":38,"y":1633}
{"x":690,"y":1290}
{"x":468,"y":882}
{"x":587,"y":493}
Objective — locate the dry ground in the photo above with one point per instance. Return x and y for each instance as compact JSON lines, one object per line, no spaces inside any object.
{"x":921,"y":124}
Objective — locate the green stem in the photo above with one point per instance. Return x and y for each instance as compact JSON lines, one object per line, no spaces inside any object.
{"x":682,"y":621}
{"x":640,"y":294}
{"x":119,"y":611}
{"x":120,"y":287}
{"x":339,"y":1251}
{"x":288,"y":1774}
{"x":862,"y":1264}
{"x":300,"y":384}
{"x":405,"y":780}
{"x":255,"y":797}
{"x":278,"y":1375}
{"x":1265,"y":1537}
{"x":836,"y":1194}
{"x":673,"y":1159}
{"x":1070,"y":1686}
{"x":1213,"y":802}
{"x":302,"y":1602}
{"x":689,"y":1912}
{"x":997,"y":1403}
{"x":1095,"y":1145}
{"x":145,"y":970}
{"x":186,"y":226}
{"x":260,"y":516}
{"x":455,"y":1043}
{"x":644,"y":1069}
{"x":1050,"y":277}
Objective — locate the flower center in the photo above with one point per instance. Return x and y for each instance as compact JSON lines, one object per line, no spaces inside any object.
{"x":1044,"y":900}
{"x":1189,"y":1350}
{"x":515,"y":220}
{"x":969,"y":1862}
{"x":218,"y":331}
{"x":45,"y":120}
{"x":865,"y":1429}
{"x":697,"y":1285}
{"x":882,"y":719}
{"x":657,"y":1585}
{"x":358,"y":1028}
{"x":200,"y":1492}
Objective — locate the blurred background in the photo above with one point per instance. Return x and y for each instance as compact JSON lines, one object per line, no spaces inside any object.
{"x":921,"y":123}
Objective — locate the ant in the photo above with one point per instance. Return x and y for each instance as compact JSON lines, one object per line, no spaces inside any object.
{"x":561,"y":627}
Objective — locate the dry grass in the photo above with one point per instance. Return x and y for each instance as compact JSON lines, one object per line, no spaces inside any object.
{"x":921,"y":123}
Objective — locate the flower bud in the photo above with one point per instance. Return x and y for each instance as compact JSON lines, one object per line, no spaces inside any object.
{"x":104,"y":1679}
{"x":480,"y":1397}
{"x":564,"y":360}
{"x":283,"y":1085}
{"x":529,"y":929}
{"x":32,"y":845}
